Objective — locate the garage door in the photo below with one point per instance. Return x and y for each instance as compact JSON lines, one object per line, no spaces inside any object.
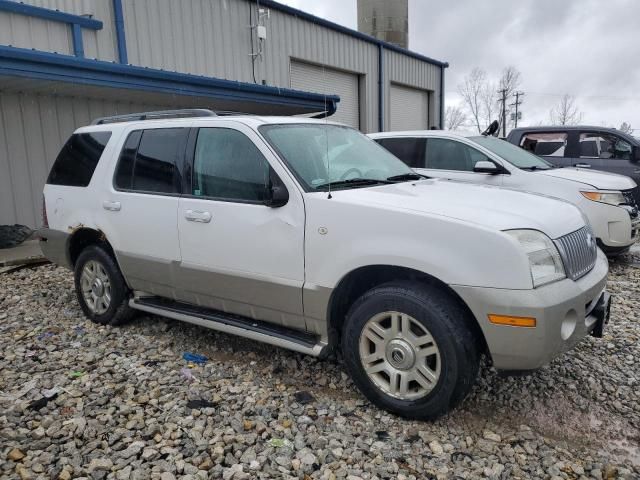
{"x":313,"y":78}
{"x":409,"y":108}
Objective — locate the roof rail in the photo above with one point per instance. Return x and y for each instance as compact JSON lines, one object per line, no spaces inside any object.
{"x":160,"y":114}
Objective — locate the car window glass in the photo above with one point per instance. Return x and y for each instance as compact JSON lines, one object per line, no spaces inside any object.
{"x":408,"y":149}
{"x":603,"y":145}
{"x":228,"y":165}
{"x":78,"y":159}
{"x":124,"y":171}
{"x":445,"y":154}
{"x":548,"y":144}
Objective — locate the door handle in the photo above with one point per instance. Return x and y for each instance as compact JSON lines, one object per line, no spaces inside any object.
{"x":111,"y":206}
{"x":199,"y":216}
{"x":582,"y":165}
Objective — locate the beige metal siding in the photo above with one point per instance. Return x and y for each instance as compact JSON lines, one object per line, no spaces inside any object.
{"x":28,"y":32}
{"x":33,"y":128}
{"x":325,"y":80}
{"x":409,"y":108}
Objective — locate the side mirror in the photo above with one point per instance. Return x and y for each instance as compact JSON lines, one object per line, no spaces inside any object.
{"x":277,"y":193}
{"x":485,"y":166}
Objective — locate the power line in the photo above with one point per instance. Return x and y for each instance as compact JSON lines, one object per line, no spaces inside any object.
{"x":516,"y":104}
{"x":503,"y":92}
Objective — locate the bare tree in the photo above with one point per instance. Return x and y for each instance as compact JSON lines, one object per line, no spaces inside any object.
{"x":626,"y":128}
{"x":490,"y":109}
{"x":471,"y":90}
{"x":454,"y":117}
{"x":565,"y":112}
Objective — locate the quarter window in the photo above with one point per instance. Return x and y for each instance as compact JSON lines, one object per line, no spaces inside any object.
{"x":149,"y":161}
{"x":602,"y":145}
{"x":551,"y":144}
{"x":78,"y":159}
{"x":443,"y":154}
{"x":228,"y":166}
{"x":409,"y":150}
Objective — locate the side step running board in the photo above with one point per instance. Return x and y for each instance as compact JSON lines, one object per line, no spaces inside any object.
{"x":272,"y":334}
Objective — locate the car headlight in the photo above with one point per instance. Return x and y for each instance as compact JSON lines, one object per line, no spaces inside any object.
{"x":544,"y":258}
{"x":612,"y":198}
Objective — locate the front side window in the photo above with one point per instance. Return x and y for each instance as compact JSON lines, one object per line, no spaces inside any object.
{"x":228,"y":166}
{"x":324,"y":155}
{"x":408,"y":149}
{"x":78,"y":159}
{"x":551,"y":144}
{"x":445,"y":154}
{"x":149,"y":161}
{"x":603,"y":145}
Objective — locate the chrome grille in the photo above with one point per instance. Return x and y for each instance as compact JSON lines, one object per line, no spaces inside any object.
{"x":578,"y":251}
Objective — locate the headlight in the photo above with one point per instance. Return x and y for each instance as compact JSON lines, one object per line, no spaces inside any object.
{"x":612,"y":198}
{"x":544,"y":258}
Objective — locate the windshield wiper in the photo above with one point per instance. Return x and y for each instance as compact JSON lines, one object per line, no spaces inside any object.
{"x":406,"y":176}
{"x":354,"y":182}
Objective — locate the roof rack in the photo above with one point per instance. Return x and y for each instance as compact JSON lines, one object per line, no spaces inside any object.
{"x":160,"y":114}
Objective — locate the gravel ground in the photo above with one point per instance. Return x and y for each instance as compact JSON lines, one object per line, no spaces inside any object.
{"x":124,"y":404}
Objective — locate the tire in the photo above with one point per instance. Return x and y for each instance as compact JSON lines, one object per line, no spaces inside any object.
{"x":101,"y":263}
{"x":452,"y":366}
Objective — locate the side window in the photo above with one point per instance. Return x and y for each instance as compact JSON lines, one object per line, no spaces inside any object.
{"x":603,"y":145}
{"x":78,"y":159}
{"x":228,"y":166}
{"x":444,"y":154}
{"x":409,"y":150}
{"x":149,"y":161}
{"x":551,"y":144}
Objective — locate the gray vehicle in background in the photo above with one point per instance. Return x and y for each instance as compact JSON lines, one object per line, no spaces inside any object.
{"x":599,"y":148}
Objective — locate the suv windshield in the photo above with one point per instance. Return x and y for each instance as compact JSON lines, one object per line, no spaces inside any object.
{"x":336,"y":156}
{"x":516,"y":156}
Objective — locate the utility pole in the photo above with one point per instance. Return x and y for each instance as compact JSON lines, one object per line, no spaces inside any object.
{"x":516,"y":104}
{"x":503,"y":92}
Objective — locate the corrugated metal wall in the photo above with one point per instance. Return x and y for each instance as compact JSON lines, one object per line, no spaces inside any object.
{"x":33,"y":128}
{"x":28,"y":32}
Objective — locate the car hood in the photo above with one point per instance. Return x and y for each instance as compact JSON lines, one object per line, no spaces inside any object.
{"x":597,"y":179}
{"x":493,"y":207}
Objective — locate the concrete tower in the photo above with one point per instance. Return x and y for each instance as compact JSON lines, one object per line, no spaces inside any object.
{"x":387,"y":20}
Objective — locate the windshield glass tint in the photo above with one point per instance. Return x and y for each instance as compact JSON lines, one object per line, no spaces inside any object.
{"x":319,"y":154}
{"x":512,"y":154}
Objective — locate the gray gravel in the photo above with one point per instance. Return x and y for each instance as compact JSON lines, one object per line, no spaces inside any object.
{"x":119,"y":404}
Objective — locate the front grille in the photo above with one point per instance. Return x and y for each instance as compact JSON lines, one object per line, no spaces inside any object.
{"x":578,"y":251}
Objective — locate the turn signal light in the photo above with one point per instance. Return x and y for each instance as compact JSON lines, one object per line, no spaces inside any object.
{"x":512,"y":321}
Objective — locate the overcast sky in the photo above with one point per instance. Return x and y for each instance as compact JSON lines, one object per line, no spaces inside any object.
{"x":587,"y":48}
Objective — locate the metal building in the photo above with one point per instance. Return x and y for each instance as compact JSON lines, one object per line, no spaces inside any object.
{"x":65,"y":62}
{"x":386,"y":20}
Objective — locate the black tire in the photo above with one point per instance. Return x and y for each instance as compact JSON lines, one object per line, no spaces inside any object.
{"x":118,"y":311}
{"x":444,"y":318}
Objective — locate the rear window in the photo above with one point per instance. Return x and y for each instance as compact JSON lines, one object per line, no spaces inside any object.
{"x":408,"y":149}
{"x":78,"y":159}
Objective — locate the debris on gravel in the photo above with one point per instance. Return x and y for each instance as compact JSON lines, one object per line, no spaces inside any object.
{"x":80,"y":400}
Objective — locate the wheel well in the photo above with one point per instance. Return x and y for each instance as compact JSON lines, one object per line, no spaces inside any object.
{"x":363,"y":279}
{"x":82,"y":238}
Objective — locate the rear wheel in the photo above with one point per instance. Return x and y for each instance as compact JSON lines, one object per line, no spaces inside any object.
{"x":101,"y":290}
{"x":409,"y":350}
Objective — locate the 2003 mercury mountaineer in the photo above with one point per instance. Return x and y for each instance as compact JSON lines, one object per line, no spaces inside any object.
{"x":308,"y":235}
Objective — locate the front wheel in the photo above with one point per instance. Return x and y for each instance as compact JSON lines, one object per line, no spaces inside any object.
{"x":409,"y":349}
{"x":101,"y":290}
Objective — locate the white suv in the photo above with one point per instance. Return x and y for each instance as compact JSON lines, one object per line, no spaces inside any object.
{"x":607,"y":199}
{"x":307,"y":235}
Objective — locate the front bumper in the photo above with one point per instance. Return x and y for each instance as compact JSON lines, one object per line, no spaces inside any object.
{"x":614,"y":226}
{"x":565,"y":312}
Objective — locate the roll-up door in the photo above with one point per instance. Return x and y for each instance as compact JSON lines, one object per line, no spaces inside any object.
{"x":318,"y":79}
{"x":409,"y":108}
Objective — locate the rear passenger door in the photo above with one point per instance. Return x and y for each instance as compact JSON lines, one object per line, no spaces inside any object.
{"x":608,"y":152}
{"x":239,"y":255}
{"x":139,"y":208}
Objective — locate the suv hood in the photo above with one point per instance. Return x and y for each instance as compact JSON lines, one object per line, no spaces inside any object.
{"x":597,"y":179}
{"x":493,"y":207}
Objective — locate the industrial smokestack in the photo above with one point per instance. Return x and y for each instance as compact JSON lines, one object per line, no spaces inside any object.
{"x":386,"y":20}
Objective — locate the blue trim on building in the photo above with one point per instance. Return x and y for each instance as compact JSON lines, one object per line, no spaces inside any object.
{"x":381,"y":88}
{"x":121,"y":39}
{"x":65,"y":68}
{"x":48,"y":14}
{"x":348,"y":31}
{"x":76,"y":35}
